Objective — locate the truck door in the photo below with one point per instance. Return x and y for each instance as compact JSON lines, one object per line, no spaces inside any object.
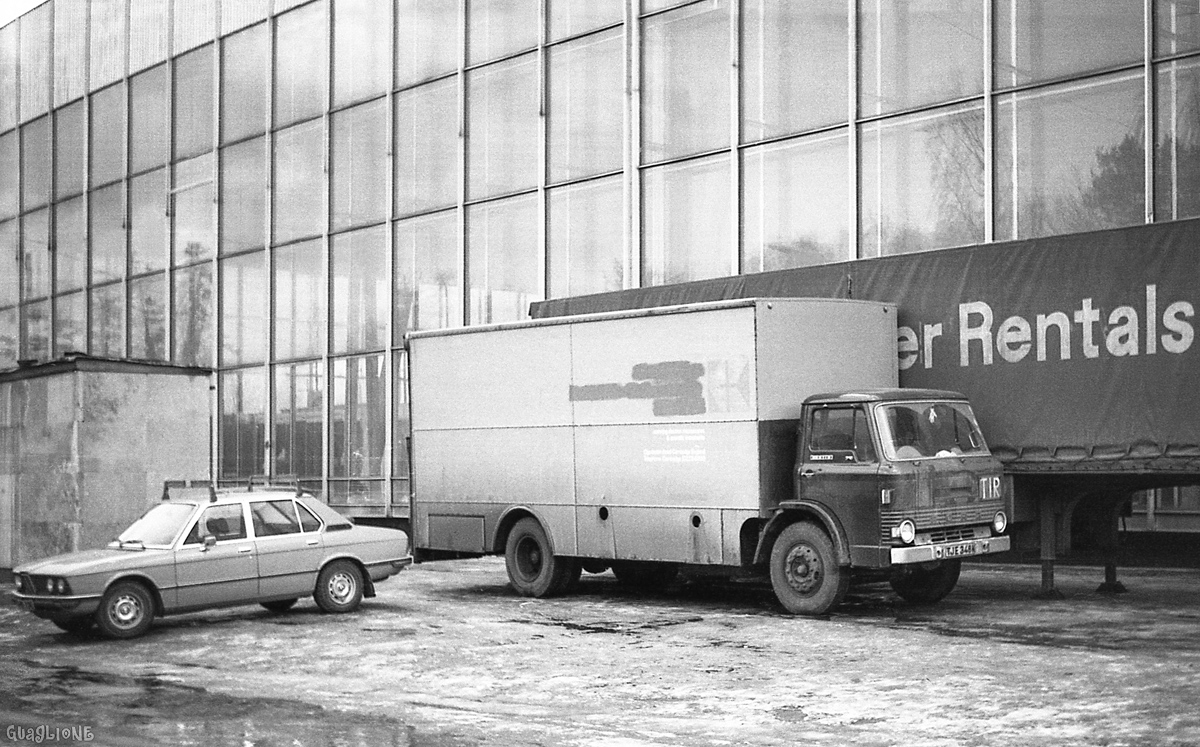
{"x":839,"y":469}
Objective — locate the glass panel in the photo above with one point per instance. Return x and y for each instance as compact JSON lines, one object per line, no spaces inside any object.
{"x":147,"y":318}
{"x":796,"y":202}
{"x":148,"y":33}
{"x":8,"y":338}
{"x":502,"y":127}
{"x":299,"y":209}
{"x":358,"y":271}
{"x":108,"y":135}
{"x":1052,"y":38}
{"x":1070,"y":158}
{"x":35,"y":255}
{"x":587,"y":230}
{"x":9,"y":274}
{"x":243,"y":201}
{"x":401,"y":428}
{"x":358,"y":438}
{"x":35,"y":164}
{"x":10,"y":58}
{"x":426,"y":131}
{"x":70,"y":53}
{"x":243,"y":309}
{"x":362,"y":38}
{"x":194,"y":103}
{"x":299,"y":400}
{"x":902,"y":43}
{"x":573,"y":17}
{"x":69,"y":147}
{"x":502,"y":259}
{"x":359,"y":165}
{"x":298,"y":319}
{"x":428,"y":287}
{"x":236,"y":14}
{"x":795,"y":66}
{"x":10,"y":163}
{"x":496,"y":28}
{"x":685,"y":94}
{"x":685,"y":225}
{"x":429,"y":39}
{"x":148,"y":230}
{"x":586,"y":126}
{"x":245,"y":82}
{"x":192,"y":200}
{"x":70,"y":324}
{"x":922,"y":182}
{"x":301,"y":64}
{"x":108,"y":233}
{"x":192,"y":322}
{"x":1177,"y":26}
{"x":36,"y":321}
{"x":243,"y":431}
{"x":1177,"y":160}
{"x":35,"y":61}
{"x":70,"y":245}
{"x":108,"y":41}
{"x":195,"y":22}
{"x":108,"y":321}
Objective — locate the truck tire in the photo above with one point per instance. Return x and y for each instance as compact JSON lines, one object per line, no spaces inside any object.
{"x":804,"y":571}
{"x":919,"y":585}
{"x":126,"y":610}
{"x":645,"y":574}
{"x":533,"y":571}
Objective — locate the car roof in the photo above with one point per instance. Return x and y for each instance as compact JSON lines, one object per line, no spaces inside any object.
{"x":885,"y":395}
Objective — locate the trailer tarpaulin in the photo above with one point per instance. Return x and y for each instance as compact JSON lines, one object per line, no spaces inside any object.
{"x":1078,"y":352}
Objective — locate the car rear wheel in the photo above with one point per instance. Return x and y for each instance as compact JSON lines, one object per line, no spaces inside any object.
{"x":74,"y":625}
{"x":339,"y":587}
{"x":126,"y":610}
{"x":533,"y":570}
{"x":804,"y":571}
{"x":919,"y":585}
{"x":281,"y":605}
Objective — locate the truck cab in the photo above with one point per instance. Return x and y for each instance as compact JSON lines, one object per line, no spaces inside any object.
{"x":903,"y":484}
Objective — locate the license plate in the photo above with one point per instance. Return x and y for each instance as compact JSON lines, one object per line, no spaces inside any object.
{"x":961,"y":549}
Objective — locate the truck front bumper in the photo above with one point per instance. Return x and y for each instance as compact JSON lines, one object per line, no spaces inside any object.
{"x":950,"y":550}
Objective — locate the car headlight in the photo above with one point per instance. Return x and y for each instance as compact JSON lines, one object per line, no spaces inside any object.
{"x":999,"y":522}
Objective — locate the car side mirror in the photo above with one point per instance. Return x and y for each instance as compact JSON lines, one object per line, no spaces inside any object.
{"x":210,"y":541}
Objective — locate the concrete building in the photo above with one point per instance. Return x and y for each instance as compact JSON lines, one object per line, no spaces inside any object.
{"x":279,"y":190}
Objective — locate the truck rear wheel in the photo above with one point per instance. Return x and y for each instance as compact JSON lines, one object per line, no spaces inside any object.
{"x":804,"y":571}
{"x":533,"y":571}
{"x":920,"y":585}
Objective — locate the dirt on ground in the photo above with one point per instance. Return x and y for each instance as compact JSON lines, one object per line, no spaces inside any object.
{"x":448,"y":655}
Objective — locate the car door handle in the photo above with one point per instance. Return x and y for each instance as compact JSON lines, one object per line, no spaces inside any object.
{"x":312,"y":542}
{"x":245,"y":549}
{"x":808,"y":473}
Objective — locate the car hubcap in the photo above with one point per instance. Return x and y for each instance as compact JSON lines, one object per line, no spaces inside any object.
{"x":803,"y":569}
{"x":529,"y":558}
{"x":126,"y":611}
{"x":341,"y":588}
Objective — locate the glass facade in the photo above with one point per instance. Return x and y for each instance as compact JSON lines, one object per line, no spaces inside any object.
{"x":282,"y":189}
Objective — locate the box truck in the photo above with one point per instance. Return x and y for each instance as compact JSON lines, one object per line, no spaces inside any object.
{"x":762,"y":436}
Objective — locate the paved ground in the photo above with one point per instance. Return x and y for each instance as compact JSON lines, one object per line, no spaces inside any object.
{"x":448,"y":656}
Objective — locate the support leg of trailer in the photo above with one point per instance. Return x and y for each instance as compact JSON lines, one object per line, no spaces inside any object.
{"x":1112,"y":546}
{"x":1048,"y":516}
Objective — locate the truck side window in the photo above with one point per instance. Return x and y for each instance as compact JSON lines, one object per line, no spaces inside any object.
{"x":843,"y":434}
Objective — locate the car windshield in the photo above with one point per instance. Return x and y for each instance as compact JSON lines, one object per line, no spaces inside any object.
{"x":158,"y":526}
{"x":925,"y":430}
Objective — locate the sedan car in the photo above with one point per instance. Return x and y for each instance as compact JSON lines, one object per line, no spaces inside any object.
{"x":268,"y":546}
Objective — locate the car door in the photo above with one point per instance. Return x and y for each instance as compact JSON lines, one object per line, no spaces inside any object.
{"x":217,"y":573}
{"x":288,"y":557}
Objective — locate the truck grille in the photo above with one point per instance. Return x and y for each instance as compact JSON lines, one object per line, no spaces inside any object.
{"x":949,"y":519}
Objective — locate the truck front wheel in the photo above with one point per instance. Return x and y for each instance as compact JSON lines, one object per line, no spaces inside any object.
{"x":533,"y":570}
{"x":920,"y":585}
{"x":804,"y":571}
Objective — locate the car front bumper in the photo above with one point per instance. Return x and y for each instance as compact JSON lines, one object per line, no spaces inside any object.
{"x":950,"y":550}
{"x":48,"y":607}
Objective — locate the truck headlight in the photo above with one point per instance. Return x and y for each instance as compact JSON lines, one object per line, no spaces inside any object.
{"x":907,"y":531}
{"x":999,"y":522}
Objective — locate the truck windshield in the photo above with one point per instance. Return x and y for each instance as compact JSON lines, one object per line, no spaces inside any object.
{"x":926,"y":430}
{"x":159,"y":526}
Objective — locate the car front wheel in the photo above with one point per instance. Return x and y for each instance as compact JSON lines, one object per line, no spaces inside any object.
{"x":126,"y":610}
{"x":339,"y":587}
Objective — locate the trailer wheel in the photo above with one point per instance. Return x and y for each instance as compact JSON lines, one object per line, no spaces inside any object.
{"x":645,"y":574}
{"x":920,"y":585}
{"x":804,"y":571}
{"x":533,"y":570}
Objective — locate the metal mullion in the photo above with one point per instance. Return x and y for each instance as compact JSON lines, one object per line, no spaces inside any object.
{"x":543,"y":131}
{"x":633,"y":138}
{"x":989,"y":130}
{"x":1148,"y":104}
{"x":855,"y":180}
{"x":327,"y":269}
{"x":735,"y":137}
{"x":463,"y":259}
{"x":389,"y":352}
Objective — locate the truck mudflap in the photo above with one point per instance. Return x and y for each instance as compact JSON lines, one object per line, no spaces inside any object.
{"x":950,"y":550}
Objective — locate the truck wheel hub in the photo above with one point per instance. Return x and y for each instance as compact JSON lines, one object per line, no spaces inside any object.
{"x":803,"y":569}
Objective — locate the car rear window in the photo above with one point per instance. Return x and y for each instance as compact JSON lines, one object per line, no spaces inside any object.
{"x":273,"y":518}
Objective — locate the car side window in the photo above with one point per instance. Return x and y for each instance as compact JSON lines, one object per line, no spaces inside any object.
{"x":840,"y":435}
{"x":308,"y":521}
{"x":273,"y":518}
{"x":223,"y":522}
